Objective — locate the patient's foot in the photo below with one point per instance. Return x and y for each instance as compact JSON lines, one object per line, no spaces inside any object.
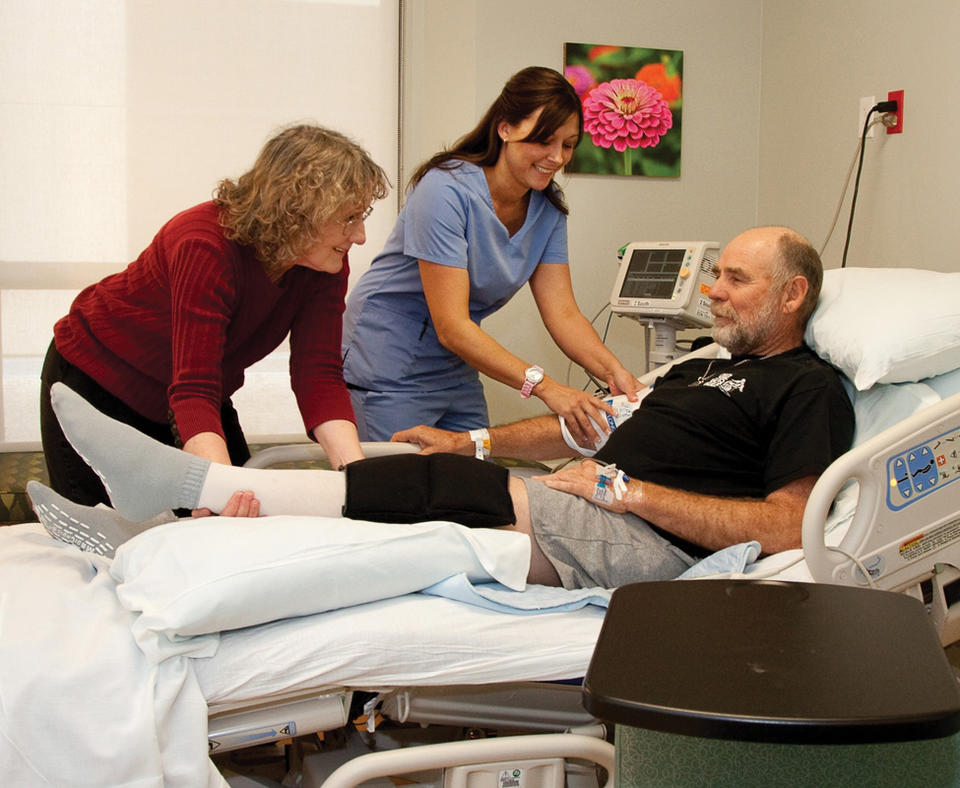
{"x":142,"y":476}
{"x":95,"y":529}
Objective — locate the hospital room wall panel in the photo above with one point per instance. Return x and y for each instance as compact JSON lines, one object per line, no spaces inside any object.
{"x":440,"y":70}
{"x":819,"y":58}
{"x":67,"y":164}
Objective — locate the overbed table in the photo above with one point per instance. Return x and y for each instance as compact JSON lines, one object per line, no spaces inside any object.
{"x":729,"y":678}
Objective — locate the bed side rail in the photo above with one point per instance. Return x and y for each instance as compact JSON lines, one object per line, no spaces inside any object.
{"x":476,"y":751}
{"x":305,"y":452}
{"x":907,"y":521}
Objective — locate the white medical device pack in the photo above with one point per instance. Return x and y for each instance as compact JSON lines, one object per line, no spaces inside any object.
{"x":667,"y":285}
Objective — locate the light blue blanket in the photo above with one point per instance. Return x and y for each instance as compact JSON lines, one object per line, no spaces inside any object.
{"x":546,"y":599}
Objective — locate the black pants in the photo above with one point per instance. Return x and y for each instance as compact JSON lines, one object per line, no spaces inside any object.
{"x":69,"y":474}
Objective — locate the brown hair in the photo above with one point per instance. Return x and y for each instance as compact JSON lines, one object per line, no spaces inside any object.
{"x":303,"y":176}
{"x":525,"y":92}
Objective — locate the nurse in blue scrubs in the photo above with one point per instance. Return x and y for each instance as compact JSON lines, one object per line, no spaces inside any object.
{"x":481,"y":220}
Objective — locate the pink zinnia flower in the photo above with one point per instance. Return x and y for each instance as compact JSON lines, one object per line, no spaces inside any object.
{"x":580,"y":77}
{"x":626,"y":113}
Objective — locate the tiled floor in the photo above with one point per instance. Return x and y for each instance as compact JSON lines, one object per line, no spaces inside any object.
{"x":16,"y":469}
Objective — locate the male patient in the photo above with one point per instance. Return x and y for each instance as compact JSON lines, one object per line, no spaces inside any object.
{"x":721,"y":451}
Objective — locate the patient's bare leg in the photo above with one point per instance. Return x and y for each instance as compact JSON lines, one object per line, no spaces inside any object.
{"x":95,"y":529}
{"x":541,"y":570}
{"x":144,"y":478}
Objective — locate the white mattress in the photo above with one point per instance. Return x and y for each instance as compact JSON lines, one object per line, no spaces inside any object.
{"x":413,"y":640}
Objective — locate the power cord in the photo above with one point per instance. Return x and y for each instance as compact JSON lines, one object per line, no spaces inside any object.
{"x":881,"y":107}
{"x":857,"y":562}
{"x":843,"y":192}
{"x":603,"y":338}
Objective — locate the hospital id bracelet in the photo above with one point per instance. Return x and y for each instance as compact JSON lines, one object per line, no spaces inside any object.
{"x":481,"y":443}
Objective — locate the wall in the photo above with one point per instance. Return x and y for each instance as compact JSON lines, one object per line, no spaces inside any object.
{"x":819,"y":58}
{"x":714,"y":198}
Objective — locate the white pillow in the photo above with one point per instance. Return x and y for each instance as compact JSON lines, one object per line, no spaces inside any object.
{"x":887,"y":325}
{"x":194,"y":577}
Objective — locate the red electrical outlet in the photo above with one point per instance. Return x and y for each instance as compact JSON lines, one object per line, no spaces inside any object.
{"x":896,"y":95}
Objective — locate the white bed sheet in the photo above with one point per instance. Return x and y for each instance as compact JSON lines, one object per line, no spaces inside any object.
{"x":87,"y":700}
{"x":413,"y":640}
{"x":80,"y":704}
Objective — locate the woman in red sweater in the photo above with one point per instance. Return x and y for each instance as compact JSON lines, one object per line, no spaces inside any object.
{"x":164,"y":344}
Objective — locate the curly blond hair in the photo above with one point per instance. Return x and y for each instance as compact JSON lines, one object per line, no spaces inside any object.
{"x":302,"y":178}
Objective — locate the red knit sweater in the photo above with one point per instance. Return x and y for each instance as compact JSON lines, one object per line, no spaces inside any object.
{"x":177,"y":328}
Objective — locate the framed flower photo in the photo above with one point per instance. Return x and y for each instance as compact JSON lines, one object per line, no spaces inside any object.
{"x":632,"y":109}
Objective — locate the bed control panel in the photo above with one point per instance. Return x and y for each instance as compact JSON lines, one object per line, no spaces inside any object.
{"x":923,"y":469}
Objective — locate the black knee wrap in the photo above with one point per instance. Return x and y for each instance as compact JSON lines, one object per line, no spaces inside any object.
{"x":412,"y":488}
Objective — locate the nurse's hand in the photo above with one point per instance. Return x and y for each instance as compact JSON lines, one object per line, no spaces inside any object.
{"x":623,"y":382}
{"x":577,"y":408}
{"x":432,"y":440}
{"x":241,"y":504}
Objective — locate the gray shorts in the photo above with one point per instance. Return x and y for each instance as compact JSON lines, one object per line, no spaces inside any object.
{"x":590,"y":546}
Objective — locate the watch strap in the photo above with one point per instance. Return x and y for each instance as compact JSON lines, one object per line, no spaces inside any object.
{"x":528,"y":385}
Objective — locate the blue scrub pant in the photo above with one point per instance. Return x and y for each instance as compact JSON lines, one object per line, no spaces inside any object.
{"x":380,"y":414}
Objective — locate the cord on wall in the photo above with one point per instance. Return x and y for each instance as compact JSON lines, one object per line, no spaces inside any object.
{"x":882,"y":107}
{"x":843,"y":195}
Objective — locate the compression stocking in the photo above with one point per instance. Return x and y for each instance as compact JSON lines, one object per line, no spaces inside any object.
{"x":143,"y":477}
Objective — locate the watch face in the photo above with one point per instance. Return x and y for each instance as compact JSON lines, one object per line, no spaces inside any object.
{"x":534,"y":375}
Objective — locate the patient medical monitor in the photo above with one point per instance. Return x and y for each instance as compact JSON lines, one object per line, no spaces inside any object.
{"x":666,"y":281}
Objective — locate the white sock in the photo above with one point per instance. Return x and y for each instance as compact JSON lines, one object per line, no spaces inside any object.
{"x":143,"y":477}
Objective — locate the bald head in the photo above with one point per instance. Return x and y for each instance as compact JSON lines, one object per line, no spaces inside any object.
{"x":788,"y":254}
{"x":767,"y":287}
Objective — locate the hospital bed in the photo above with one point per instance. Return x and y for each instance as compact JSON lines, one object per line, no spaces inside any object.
{"x":104,"y":678}
{"x":858,"y":529}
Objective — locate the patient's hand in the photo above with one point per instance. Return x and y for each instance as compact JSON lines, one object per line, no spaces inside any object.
{"x":581,"y":479}
{"x":431,"y":440}
{"x":241,"y":504}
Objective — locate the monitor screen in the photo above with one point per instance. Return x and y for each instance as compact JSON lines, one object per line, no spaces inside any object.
{"x":652,"y":273}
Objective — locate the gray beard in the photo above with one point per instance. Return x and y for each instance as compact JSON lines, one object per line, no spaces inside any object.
{"x":743,"y":337}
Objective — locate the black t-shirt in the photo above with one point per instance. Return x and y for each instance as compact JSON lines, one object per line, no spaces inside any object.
{"x":742,"y":427}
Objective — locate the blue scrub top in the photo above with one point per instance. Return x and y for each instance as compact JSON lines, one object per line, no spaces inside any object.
{"x":389,"y":341}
